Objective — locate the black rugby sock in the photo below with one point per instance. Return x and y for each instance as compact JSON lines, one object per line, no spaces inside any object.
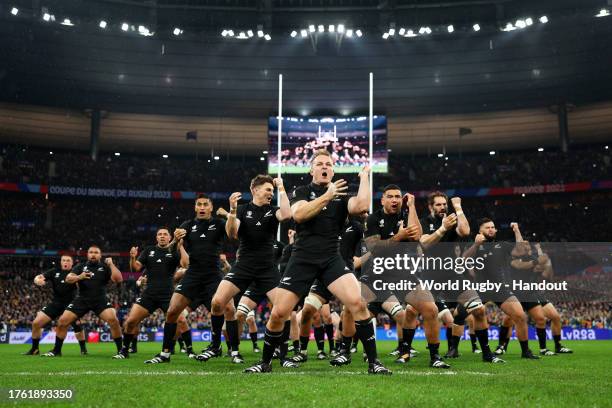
{"x":271,"y":341}
{"x":483,"y":339}
{"x":319,"y":335}
{"x":217,"y":325}
{"x":541,"y":333}
{"x":169,"y":332}
{"x":365,"y":332}
{"x":329,"y":332}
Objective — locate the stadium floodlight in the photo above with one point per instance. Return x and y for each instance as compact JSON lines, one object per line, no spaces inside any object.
{"x":410,"y":34}
{"x":606,"y":147}
{"x":267,"y":37}
{"x":341,"y":28}
{"x":293,"y":34}
{"x":264,"y":152}
{"x":242,"y":35}
{"x":392,"y":32}
{"x":359,"y":33}
{"x":544,"y":19}
{"x":321,"y":28}
{"x":260,"y":33}
{"x":51,"y":153}
{"x":385,"y":36}
{"x":603,"y":13}
{"x":476,"y":27}
{"x":67,"y":22}
{"x":520,"y":23}
{"x":250,"y":33}
{"x":230,"y":33}
{"x":402,"y":31}
{"x":509,"y":27}
{"x":47,"y":17}
{"x":540,"y":149}
{"x":422,"y":30}
{"x":125,"y":26}
{"x":492,"y":153}
{"x":349,"y":33}
{"x":440,"y":155}
{"x":117,"y":154}
{"x":303,"y":33}
{"x":177,"y":31}
{"x":224,"y":33}
{"x":528,"y":21}
{"x":216,"y":157}
{"x":450,"y":28}
{"x":331,"y":28}
{"x":311,"y":28}
{"x":262,"y":158}
{"x":165,"y":156}
{"x":14,"y":11}
{"x":102,"y":24}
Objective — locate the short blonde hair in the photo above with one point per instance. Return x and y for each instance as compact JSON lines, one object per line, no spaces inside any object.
{"x":320,"y":152}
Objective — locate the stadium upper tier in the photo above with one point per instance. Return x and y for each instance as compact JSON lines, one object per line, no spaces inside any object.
{"x":22,"y":164}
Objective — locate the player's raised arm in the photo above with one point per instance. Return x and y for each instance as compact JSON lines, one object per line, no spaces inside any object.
{"x":284,"y":211}
{"x":361,"y":202}
{"x":233,"y":223}
{"x":135,"y":265}
{"x":116,"y":275}
{"x":463,"y":226}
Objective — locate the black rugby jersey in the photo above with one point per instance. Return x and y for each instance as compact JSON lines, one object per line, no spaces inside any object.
{"x":159,"y":266}
{"x":319,"y":236}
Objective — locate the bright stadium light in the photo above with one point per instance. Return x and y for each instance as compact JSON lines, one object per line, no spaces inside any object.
{"x":359,"y":33}
{"x":260,"y":33}
{"x":520,"y":23}
{"x":117,"y":154}
{"x":321,"y":28}
{"x":250,"y":33}
{"x":385,"y":35}
{"x":230,"y":33}
{"x":349,"y":33}
{"x":262,"y":158}
{"x":341,"y":28}
{"x":410,"y":34}
{"x":543,"y":19}
{"x":476,"y":27}
{"x":242,"y":35}
{"x":422,"y":30}
{"x":67,"y":22}
{"x":102,"y":24}
{"x":509,"y":27}
{"x":402,"y":31}
{"x":165,"y":156}
{"x":392,"y":32}
{"x":264,"y":152}
{"x":267,"y":37}
{"x":311,"y":28}
{"x":303,"y":33}
{"x":603,"y":13}
{"x":216,"y":157}
{"x":177,"y":31}
{"x":440,"y":155}
{"x":51,"y":153}
{"x":492,"y":153}
{"x":125,"y":26}
{"x":540,"y":149}
{"x":293,"y":34}
{"x":450,"y":28}
{"x":46,"y":16}
{"x":331,"y":28}
{"x":528,"y":21}
{"x":14,"y":11}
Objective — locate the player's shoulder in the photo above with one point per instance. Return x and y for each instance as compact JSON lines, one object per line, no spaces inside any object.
{"x":301,"y":191}
{"x":186,"y":224}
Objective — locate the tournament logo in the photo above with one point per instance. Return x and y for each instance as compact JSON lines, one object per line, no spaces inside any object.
{"x":249,"y":214}
{"x":381,"y":223}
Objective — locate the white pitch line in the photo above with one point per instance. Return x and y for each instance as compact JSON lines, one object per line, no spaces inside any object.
{"x":229,"y":373}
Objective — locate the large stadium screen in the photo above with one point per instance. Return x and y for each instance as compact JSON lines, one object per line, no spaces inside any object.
{"x":345,"y":138}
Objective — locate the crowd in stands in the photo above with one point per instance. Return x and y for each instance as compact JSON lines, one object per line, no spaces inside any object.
{"x":416,"y":172}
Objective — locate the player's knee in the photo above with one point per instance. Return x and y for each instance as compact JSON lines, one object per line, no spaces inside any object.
{"x":478,"y":313}
{"x":62,"y":324}
{"x":279,"y":315}
{"x":130,"y":325}
{"x":410,"y":313}
{"x":540,"y":321}
{"x":37,"y":324}
{"x":216,"y":306}
{"x":430,"y":312}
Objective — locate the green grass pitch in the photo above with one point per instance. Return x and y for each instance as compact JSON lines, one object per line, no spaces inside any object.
{"x":580,"y":379}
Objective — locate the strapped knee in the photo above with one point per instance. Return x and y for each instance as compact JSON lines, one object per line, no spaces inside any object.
{"x":313,"y":301}
{"x":244,"y":309}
